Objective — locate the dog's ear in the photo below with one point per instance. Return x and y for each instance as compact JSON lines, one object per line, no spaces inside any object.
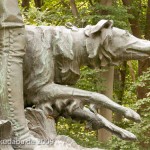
{"x":94,"y":40}
{"x":101,"y":25}
{"x":89,"y":30}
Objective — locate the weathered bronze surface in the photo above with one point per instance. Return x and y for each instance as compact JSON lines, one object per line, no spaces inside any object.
{"x":53,"y":59}
{"x":52,"y":62}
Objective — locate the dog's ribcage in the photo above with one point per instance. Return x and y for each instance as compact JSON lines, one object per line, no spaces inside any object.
{"x":44,"y":63}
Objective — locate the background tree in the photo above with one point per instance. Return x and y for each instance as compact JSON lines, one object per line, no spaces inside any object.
{"x":108,"y":75}
{"x":38,"y":3}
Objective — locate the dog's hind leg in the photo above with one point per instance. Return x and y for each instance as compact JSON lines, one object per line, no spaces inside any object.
{"x":52,"y":92}
{"x":97,"y":121}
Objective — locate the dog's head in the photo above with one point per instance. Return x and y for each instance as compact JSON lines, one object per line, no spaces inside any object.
{"x":107,"y":45}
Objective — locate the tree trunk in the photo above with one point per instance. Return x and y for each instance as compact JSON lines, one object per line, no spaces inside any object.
{"x":38,"y":3}
{"x":104,"y":135}
{"x":106,"y":2}
{"x":74,"y":8}
{"x":25,"y":4}
{"x":134,"y":22}
{"x":120,"y":79}
{"x":147,"y":27}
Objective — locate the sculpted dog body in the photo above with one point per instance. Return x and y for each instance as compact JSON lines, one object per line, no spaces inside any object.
{"x":53,"y":59}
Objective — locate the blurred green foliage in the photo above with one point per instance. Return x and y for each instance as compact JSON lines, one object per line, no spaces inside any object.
{"x":141,"y":130}
{"x":58,"y":13}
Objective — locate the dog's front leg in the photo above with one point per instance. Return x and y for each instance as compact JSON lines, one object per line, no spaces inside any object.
{"x":97,"y":121}
{"x":52,"y":92}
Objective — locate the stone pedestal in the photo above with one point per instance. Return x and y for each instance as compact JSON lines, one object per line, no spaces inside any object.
{"x":43,"y":128}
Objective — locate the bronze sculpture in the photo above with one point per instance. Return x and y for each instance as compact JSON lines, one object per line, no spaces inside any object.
{"x":53,"y":58}
{"x":52,"y":61}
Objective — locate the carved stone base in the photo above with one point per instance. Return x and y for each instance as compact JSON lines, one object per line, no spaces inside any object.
{"x":43,"y":128}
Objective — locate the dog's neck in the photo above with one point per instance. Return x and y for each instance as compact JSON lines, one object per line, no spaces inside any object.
{"x":81,"y":55}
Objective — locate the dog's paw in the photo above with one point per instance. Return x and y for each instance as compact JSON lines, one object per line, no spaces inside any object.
{"x":126,"y":135}
{"x":132,"y":115}
{"x":48,"y":109}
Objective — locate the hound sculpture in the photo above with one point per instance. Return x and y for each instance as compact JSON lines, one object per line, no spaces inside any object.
{"x":52,"y":63}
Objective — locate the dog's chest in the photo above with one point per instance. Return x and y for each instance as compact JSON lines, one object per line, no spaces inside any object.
{"x":66,"y":72}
